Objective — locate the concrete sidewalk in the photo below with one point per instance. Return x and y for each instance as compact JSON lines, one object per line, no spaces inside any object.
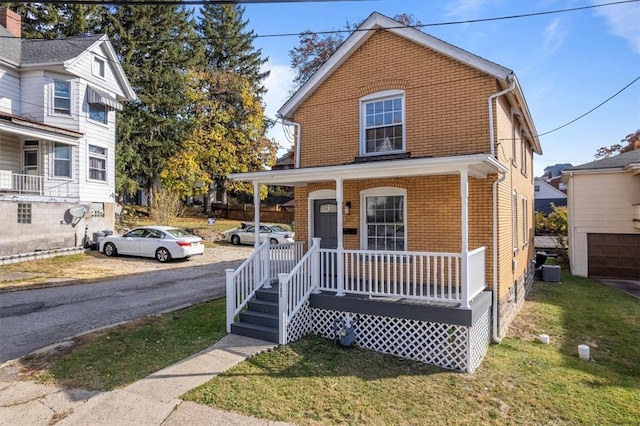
{"x":151,"y":401}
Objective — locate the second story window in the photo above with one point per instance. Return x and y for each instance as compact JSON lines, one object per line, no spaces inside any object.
{"x":382,"y":123}
{"x":98,"y":112}
{"x":61,"y":160}
{"x":98,"y":67}
{"x":62,"y":97}
{"x":97,"y":163}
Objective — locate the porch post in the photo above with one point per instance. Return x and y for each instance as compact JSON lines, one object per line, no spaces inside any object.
{"x":464,"y":195}
{"x":261,"y":263}
{"x":340,"y":247}
{"x":315,"y":265}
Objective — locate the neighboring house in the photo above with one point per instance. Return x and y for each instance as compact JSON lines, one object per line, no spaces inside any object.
{"x":604,"y":217}
{"x":57,"y":138}
{"x":546,"y":194}
{"x":553,"y":175}
{"x":415,"y":173}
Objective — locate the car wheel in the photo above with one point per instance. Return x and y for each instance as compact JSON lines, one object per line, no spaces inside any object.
{"x":163,"y":255}
{"x":235,"y":240}
{"x":273,"y":241}
{"x":110,"y":249}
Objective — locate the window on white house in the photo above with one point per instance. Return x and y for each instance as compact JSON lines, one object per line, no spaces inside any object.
{"x":97,"y":163}
{"x":98,"y":67}
{"x":382,"y":123}
{"x":514,"y":207}
{"x":61,"y":160}
{"x":384,"y":219}
{"x":98,"y":112}
{"x":62,"y":97}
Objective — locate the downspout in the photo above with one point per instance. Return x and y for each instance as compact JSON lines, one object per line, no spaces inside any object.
{"x":494,"y":290}
{"x":512,"y":86}
{"x":298,"y":137}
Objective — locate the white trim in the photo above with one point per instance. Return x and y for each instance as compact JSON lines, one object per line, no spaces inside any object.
{"x":53,"y":111}
{"x":379,"y":97}
{"x":52,"y":165}
{"x":381,"y":191}
{"x":320,"y":194}
{"x":104,"y":157}
{"x":364,"y":32}
{"x":478,"y":166}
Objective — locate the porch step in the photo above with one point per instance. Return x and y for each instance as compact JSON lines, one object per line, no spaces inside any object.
{"x":256,"y":331}
{"x":268,"y":294}
{"x":264,"y":306}
{"x":259,"y":318}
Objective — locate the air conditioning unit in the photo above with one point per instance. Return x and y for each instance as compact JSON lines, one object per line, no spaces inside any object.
{"x":551,"y":273}
{"x":5,"y":179}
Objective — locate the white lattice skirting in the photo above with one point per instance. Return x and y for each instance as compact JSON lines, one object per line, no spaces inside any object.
{"x":449,"y":346}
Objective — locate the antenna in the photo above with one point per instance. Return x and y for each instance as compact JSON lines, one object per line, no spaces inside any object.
{"x":73,"y":215}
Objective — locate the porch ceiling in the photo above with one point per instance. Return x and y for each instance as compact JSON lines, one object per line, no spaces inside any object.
{"x":477,"y":165}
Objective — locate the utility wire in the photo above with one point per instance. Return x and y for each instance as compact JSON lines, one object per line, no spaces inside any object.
{"x":592,"y":109}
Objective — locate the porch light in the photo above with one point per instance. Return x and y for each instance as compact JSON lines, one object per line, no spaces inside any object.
{"x":347,"y":207}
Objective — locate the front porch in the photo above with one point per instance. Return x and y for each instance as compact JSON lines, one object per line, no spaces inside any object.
{"x":44,"y":186}
{"x":420,"y":306}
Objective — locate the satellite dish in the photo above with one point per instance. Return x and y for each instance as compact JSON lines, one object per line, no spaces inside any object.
{"x":79,"y":210}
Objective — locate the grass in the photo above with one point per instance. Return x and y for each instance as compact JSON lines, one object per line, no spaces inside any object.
{"x":313,"y":381}
{"x":520,"y":381}
{"x":109,"y":359}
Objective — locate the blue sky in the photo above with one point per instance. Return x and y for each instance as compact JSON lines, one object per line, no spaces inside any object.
{"x":567,"y":63}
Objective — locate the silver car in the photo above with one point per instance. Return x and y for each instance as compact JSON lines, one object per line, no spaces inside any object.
{"x":161,"y":242}
{"x":276,"y":234}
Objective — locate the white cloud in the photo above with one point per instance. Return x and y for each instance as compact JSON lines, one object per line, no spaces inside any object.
{"x":553,"y":36}
{"x":622,"y":20}
{"x":278,"y":85}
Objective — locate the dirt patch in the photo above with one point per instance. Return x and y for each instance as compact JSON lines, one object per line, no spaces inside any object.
{"x":95,"y":265}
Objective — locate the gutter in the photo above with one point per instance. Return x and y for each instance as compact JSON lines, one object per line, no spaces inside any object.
{"x":512,"y":85}
{"x":298,"y":137}
{"x":494,"y":290}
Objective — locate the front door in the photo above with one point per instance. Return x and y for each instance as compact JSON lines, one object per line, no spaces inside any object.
{"x":325,"y":226}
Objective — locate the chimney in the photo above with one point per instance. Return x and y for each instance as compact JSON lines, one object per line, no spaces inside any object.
{"x":12,"y":21}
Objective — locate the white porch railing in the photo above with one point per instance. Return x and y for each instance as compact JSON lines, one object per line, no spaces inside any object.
{"x":410,"y":275}
{"x":295,"y":287}
{"x":41,"y":185}
{"x":260,"y":269}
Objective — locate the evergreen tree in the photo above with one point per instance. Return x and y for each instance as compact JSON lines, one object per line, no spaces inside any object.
{"x":228,"y":46}
{"x":151,"y":129}
{"x":48,"y":21}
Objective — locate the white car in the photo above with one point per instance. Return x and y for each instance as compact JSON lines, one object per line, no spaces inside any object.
{"x":276,"y":234}
{"x":161,"y":242}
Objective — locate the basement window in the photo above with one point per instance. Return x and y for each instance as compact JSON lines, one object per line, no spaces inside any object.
{"x":24,"y":213}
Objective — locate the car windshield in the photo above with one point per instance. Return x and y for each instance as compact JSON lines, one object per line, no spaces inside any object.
{"x":278,"y":228}
{"x":179,"y":233}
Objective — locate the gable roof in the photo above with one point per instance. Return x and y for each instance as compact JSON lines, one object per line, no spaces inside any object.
{"x":377,"y":21}
{"x":627,"y":161}
{"x":547,"y":190}
{"x":65,"y":52}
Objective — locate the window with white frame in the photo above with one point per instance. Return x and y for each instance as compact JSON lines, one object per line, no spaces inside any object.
{"x":384,"y":219}
{"x":97,"y":163}
{"x":98,"y":112}
{"x":62,"y":97}
{"x":61,"y":160}
{"x":514,"y":207}
{"x":98,"y":67}
{"x":382,"y":123}
{"x":525,"y":221}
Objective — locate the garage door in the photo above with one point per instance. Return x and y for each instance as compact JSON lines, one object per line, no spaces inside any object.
{"x":614,"y":255}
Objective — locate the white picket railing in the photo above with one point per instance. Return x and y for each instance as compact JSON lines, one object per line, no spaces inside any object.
{"x":41,"y":185}
{"x":295,"y":287}
{"x":411,"y":275}
{"x":259,"y":270}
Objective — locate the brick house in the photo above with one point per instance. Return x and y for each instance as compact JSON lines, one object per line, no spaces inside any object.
{"x":414,"y":203}
{"x":58,"y":102}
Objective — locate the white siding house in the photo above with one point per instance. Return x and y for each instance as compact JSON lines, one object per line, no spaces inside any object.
{"x":58,"y":102}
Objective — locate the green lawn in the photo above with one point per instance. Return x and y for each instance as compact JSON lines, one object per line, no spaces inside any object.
{"x":313,"y":381}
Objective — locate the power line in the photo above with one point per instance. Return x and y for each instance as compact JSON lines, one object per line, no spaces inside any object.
{"x":399,"y":26}
{"x":592,"y":109}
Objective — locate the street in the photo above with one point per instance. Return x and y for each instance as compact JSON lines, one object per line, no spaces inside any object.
{"x":33,"y":319}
